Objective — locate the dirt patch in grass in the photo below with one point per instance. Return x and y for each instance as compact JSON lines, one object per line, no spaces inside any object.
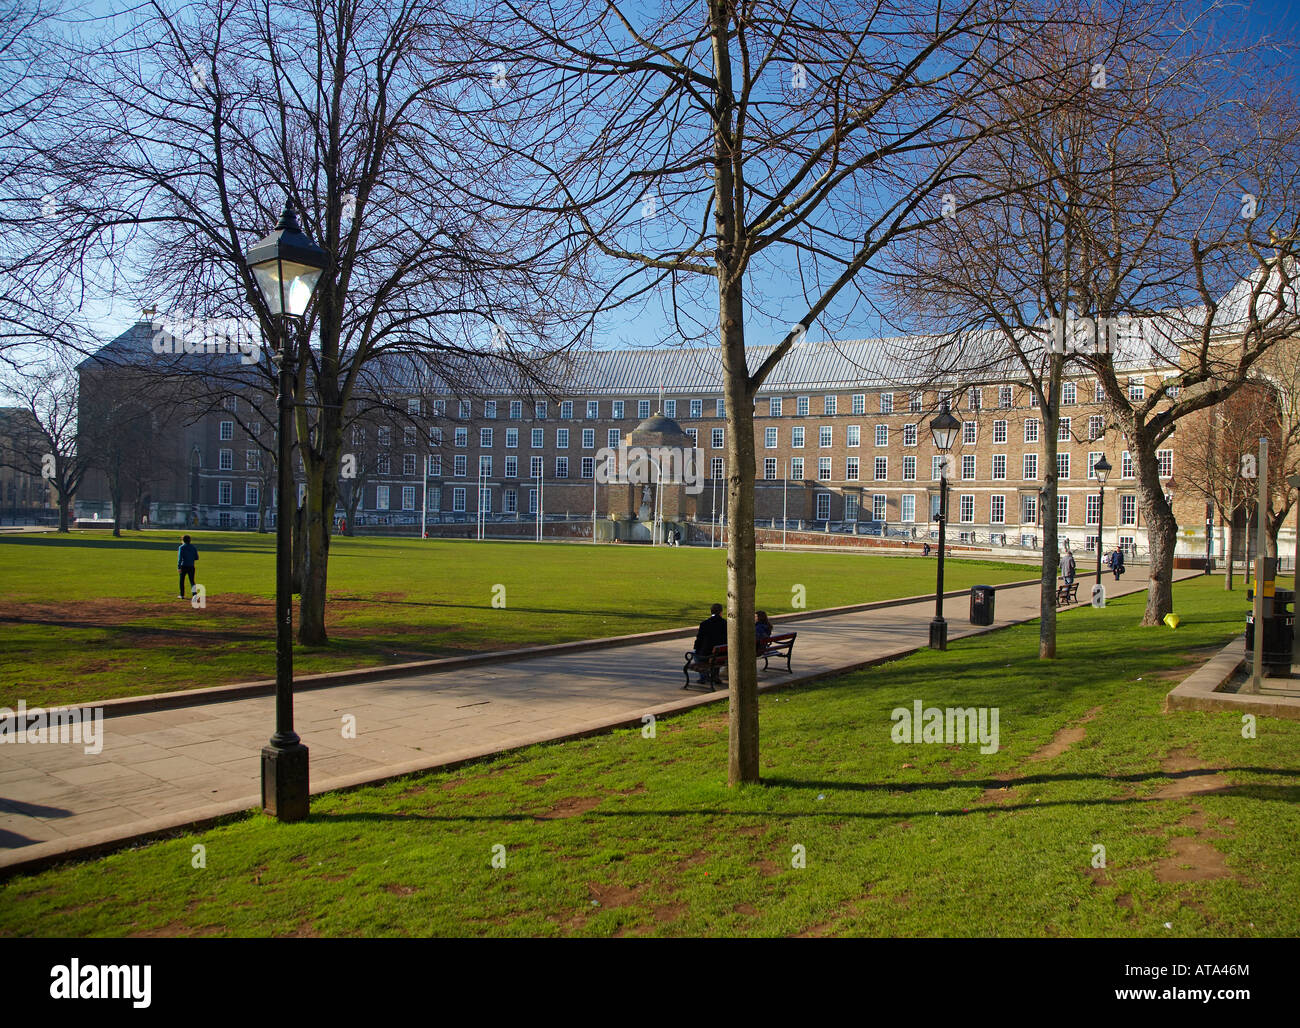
{"x":747,"y":909}
{"x":401,"y":890}
{"x":1003,"y":795}
{"x":1000,"y":794}
{"x":1192,"y":858}
{"x":1099,"y":876}
{"x":611,"y":895}
{"x":667,"y":913}
{"x":571,"y":806}
{"x":539,"y":780}
{"x":1188,"y":777}
{"x":768,"y":867}
{"x":1065,"y":738}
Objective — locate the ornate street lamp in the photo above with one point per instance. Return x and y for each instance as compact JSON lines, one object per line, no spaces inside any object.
{"x":943,"y":429}
{"x":287,"y":266}
{"x":1102,"y":471}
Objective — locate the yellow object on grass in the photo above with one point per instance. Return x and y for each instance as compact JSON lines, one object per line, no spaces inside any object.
{"x":1172,"y":620}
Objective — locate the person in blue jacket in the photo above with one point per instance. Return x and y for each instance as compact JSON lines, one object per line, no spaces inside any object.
{"x":1117,"y":562}
{"x":186,"y":557}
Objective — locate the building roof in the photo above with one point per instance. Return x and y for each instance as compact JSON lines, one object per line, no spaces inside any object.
{"x":1149,"y":343}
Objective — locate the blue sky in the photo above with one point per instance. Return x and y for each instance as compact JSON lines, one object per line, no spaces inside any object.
{"x":777,"y":299}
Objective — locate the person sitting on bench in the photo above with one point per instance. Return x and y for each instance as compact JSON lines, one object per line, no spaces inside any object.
{"x":762,"y":630}
{"x":713,"y":632}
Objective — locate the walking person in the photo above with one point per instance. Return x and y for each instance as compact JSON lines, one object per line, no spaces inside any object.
{"x":1117,"y":562}
{"x":1068,"y":567}
{"x":187,"y":555}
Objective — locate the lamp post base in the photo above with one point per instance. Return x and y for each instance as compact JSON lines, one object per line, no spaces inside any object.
{"x":285,"y":792}
{"x":938,"y":634}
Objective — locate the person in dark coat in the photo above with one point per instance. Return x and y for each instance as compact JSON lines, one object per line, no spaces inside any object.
{"x":1068,"y":567}
{"x":762,"y":629}
{"x":187,"y":554}
{"x":713,"y":632}
{"x":1117,"y":562}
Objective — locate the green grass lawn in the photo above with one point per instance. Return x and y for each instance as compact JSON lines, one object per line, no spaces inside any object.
{"x":622,"y":834}
{"x":89,"y":617}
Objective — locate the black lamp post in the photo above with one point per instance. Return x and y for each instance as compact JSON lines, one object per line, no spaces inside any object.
{"x":287,"y":266}
{"x":943,"y":429}
{"x":1102,"y":470}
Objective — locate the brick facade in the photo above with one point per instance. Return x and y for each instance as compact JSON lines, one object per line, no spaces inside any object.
{"x":828,"y":457}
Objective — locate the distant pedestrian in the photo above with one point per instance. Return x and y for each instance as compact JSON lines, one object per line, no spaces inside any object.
{"x":1117,"y":562}
{"x":925,"y":550}
{"x":1068,"y":567}
{"x":713,"y":632}
{"x":187,"y":555}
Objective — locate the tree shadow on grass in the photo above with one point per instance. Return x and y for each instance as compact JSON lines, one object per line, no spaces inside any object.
{"x":1040,"y":779}
{"x":1271,"y":793}
{"x":1256,"y":791}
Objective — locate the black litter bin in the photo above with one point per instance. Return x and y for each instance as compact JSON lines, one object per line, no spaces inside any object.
{"x":1278,"y":633}
{"x":981,"y":604}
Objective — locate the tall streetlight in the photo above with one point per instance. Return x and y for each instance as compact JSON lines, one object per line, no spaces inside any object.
{"x":287,"y":266}
{"x":1102,"y":470}
{"x":943,"y":429}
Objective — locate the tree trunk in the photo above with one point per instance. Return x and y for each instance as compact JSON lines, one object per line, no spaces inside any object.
{"x":64,"y":504}
{"x":350,"y":505}
{"x":297,"y":557}
{"x":322,"y":498}
{"x":1231,"y":542}
{"x":1162,"y":534}
{"x":263,"y":506}
{"x":1048,"y":510}
{"x":742,"y":670}
{"x":729,"y":216}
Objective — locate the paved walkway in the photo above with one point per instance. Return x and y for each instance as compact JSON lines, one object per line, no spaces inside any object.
{"x":176,"y":767}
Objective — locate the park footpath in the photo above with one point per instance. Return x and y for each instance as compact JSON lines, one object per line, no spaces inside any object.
{"x":189,"y":759}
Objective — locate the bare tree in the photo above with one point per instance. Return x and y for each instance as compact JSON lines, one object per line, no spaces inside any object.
{"x":122,"y":434}
{"x":186,"y":129}
{"x":38,"y":305}
{"x":48,"y":448}
{"x":1111,"y":227}
{"x":691,"y":149}
{"x":997,"y":265}
{"x":1217,"y":457}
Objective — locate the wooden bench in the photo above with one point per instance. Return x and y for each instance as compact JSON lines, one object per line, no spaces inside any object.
{"x":1067,"y":594}
{"x":778,"y":645}
{"x":711,"y":666}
